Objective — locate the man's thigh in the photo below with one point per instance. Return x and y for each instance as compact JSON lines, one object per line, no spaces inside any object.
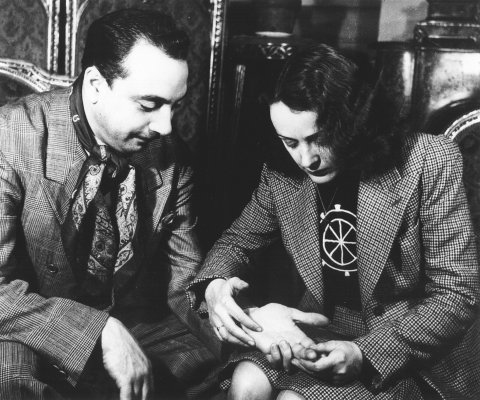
{"x":23,"y":375}
{"x":176,"y":353}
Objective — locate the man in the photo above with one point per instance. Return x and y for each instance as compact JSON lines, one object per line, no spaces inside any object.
{"x":376,"y":223}
{"x":96,"y":227}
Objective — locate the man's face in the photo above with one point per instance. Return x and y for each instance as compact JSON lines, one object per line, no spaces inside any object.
{"x":300,"y":136}
{"x":136,"y":109}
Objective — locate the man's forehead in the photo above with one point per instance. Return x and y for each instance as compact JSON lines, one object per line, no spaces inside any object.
{"x":144,"y":51}
{"x":148,"y":67}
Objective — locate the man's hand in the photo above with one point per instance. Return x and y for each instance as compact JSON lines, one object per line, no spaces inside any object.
{"x":335,"y":360}
{"x":225,"y":314}
{"x":280,"y":331}
{"x":126,"y":362}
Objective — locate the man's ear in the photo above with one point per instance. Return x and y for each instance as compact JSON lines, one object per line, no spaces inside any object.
{"x":94,"y":84}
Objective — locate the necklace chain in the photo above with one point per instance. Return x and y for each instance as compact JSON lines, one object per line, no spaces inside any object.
{"x":321,"y":199}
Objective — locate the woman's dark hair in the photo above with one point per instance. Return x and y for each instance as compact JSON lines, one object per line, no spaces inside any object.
{"x":111,"y":37}
{"x":353,"y":117}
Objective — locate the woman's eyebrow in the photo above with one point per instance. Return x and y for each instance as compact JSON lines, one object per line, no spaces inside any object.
{"x":284,"y":137}
{"x":309,"y":137}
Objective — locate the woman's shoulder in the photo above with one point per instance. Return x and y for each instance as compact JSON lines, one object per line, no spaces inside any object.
{"x":429,"y":143}
{"x":422,"y":150}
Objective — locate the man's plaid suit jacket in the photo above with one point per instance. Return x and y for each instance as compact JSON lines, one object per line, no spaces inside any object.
{"x":40,"y":160}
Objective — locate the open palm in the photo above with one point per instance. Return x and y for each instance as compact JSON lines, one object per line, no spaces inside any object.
{"x":279,"y":323}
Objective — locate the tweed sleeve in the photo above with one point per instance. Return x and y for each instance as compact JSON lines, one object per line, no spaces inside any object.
{"x":63,"y":331}
{"x":255,"y":228}
{"x":446,"y":309}
{"x":181,"y":247}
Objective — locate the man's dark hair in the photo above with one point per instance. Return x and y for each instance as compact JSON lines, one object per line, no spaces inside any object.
{"x":111,"y":37}
{"x":349,"y":115}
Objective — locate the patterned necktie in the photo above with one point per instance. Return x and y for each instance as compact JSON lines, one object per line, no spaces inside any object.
{"x":99,"y":240}
{"x":109,"y":251}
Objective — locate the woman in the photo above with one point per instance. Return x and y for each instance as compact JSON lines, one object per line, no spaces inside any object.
{"x":377,"y":226}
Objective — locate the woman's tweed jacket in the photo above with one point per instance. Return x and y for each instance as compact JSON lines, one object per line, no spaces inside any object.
{"x":418,"y":311}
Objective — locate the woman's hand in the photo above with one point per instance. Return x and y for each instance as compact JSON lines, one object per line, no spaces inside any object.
{"x":280,"y":331}
{"x":224,"y":313}
{"x":337,"y":361}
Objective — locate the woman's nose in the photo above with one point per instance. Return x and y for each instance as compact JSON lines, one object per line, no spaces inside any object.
{"x":310,"y":160}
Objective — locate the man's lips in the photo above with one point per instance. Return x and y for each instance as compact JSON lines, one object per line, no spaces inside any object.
{"x":145,"y":139}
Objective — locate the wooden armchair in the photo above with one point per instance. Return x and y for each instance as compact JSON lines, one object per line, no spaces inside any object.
{"x":19,"y":78}
{"x":465,"y":130}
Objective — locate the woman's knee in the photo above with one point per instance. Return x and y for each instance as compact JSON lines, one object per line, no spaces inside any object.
{"x":289,"y":395}
{"x":249,"y":382}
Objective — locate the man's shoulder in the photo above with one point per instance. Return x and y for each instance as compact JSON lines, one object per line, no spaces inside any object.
{"x":25,"y":125}
{"x":32,"y":109}
{"x":31,"y":100}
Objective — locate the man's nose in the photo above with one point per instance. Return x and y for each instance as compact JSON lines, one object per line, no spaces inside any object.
{"x":161,"y":122}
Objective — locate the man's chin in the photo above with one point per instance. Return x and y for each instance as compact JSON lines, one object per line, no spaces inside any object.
{"x":133,"y":148}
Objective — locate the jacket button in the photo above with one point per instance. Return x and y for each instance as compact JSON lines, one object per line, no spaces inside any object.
{"x":53,"y":269}
{"x":62,"y":373}
{"x":376,"y":382}
{"x":168,"y":218}
{"x":378,"y":310}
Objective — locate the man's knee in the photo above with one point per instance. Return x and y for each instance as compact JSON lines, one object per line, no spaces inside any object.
{"x":20,"y":374}
{"x":249,"y":382}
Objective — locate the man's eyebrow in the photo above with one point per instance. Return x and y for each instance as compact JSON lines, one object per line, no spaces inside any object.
{"x":157,"y":99}
{"x":152,"y":98}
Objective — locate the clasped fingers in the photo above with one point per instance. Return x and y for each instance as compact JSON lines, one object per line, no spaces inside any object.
{"x":337,"y":361}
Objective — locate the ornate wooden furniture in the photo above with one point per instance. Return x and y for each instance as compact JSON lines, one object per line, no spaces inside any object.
{"x":465,"y":130}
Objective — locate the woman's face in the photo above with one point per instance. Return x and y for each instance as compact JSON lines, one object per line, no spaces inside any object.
{"x":300,"y":136}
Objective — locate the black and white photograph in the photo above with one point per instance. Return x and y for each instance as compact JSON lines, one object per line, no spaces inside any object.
{"x":239,"y":199}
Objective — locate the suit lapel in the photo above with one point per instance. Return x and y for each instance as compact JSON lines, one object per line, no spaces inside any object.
{"x":64,"y":159}
{"x":301,"y":213}
{"x":381,"y":205}
{"x":64,"y":156}
{"x":152,"y":200}
{"x":156,"y":189}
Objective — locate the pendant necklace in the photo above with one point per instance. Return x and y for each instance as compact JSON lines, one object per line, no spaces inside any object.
{"x":325,"y":210}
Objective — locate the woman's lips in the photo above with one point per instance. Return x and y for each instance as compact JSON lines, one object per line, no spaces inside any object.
{"x":321,"y":172}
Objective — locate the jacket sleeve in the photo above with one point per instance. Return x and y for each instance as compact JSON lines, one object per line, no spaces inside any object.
{"x":62,"y":331}
{"x":180,"y":247}
{"x":255,"y":228}
{"x":180,"y":252}
{"x":447,"y":307}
